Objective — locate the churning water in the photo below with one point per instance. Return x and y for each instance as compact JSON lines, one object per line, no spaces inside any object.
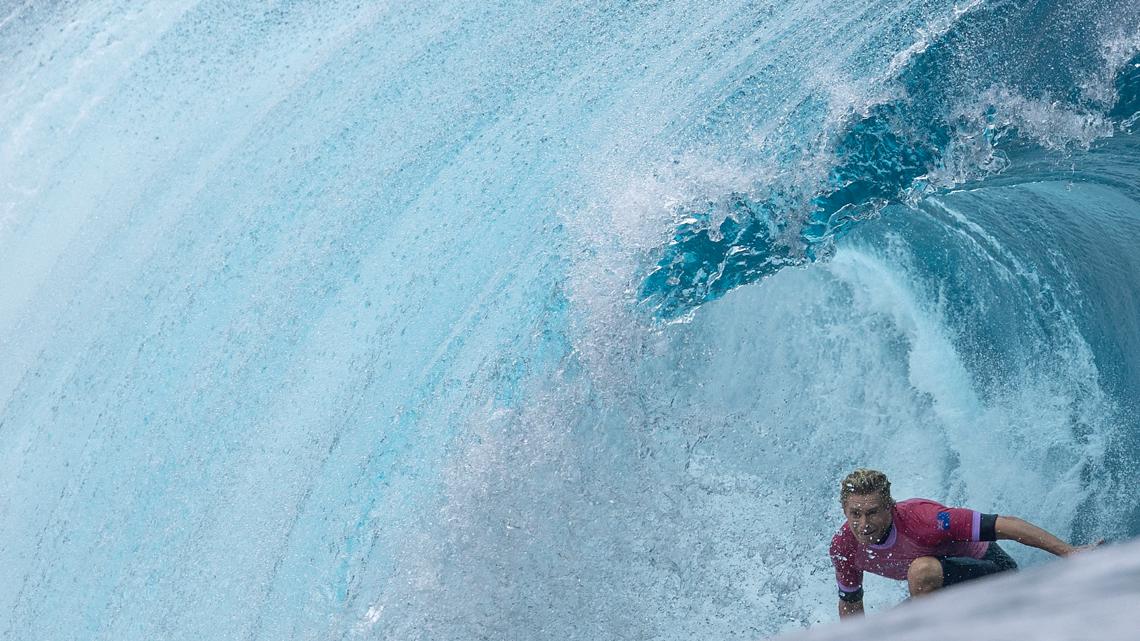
{"x":546,"y":320}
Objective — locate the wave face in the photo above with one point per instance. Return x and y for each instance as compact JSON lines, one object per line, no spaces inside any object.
{"x":555,"y":320}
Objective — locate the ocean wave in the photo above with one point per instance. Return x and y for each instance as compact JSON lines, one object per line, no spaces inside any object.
{"x":951,"y":125}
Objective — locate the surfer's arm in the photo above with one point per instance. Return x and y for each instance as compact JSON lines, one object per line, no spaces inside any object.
{"x":850,"y":608}
{"x":848,"y":577}
{"x":1024,"y":532}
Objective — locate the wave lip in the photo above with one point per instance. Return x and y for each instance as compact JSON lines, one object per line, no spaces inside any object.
{"x":951,"y":128}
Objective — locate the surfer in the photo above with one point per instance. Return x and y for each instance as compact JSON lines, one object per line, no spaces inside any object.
{"x":924,"y":543}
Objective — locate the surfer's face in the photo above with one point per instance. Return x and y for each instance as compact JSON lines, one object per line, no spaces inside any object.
{"x":869,"y":516}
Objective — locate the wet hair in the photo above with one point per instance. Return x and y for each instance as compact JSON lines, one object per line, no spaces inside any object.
{"x":864,"y":481}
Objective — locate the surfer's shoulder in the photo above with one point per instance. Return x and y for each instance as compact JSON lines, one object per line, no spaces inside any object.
{"x":917,"y":501}
{"x":917,"y":504}
{"x":916,"y":512}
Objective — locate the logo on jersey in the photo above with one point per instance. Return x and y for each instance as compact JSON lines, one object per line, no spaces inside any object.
{"x":943,"y":520}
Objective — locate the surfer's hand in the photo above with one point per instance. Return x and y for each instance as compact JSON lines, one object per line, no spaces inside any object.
{"x":1085,"y":548}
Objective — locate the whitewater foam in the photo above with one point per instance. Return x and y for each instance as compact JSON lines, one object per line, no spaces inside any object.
{"x":322,"y":320}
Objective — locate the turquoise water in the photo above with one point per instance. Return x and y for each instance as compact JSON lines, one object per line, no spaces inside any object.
{"x":520,"y":320}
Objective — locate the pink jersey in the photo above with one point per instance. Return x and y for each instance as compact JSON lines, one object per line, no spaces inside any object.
{"x":920,"y":528}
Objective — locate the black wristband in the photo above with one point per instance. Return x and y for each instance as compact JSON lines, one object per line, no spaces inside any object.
{"x":988,"y":530}
{"x":851,"y":597}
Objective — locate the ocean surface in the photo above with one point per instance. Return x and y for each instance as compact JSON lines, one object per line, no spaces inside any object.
{"x":522,"y":320}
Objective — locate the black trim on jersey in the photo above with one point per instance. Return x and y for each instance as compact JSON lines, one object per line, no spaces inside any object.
{"x":988,"y":530}
{"x":852,"y":597}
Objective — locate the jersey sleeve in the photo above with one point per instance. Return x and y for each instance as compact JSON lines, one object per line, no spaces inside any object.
{"x":848,"y":577}
{"x":935,"y":524}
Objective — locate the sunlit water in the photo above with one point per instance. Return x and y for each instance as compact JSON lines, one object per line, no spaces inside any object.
{"x":561,"y":320}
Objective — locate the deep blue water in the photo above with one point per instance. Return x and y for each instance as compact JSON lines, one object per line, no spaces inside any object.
{"x":527,"y":320}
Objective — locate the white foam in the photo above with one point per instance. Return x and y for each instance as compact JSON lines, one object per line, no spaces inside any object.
{"x":928,"y":35}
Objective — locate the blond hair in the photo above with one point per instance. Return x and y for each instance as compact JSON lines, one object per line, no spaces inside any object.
{"x":864,"y":481}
